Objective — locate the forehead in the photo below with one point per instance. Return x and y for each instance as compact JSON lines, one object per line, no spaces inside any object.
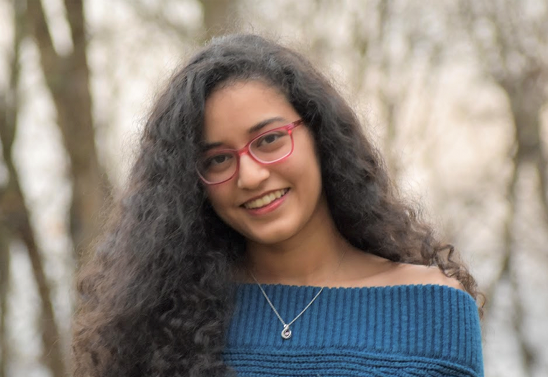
{"x":232,"y":110}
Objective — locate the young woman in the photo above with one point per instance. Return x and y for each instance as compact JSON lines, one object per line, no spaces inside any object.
{"x":260,"y":235}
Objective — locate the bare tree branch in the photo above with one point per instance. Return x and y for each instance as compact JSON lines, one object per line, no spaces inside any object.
{"x":157,"y":17}
{"x":219,"y":17}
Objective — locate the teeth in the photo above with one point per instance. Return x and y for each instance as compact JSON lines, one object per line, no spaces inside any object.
{"x":265,"y":200}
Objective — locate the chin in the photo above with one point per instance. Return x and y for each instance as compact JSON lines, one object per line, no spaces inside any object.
{"x":267,"y":239}
{"x":271,"y":236}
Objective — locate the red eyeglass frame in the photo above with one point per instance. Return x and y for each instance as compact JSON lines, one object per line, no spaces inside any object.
{"x":245,"y":150}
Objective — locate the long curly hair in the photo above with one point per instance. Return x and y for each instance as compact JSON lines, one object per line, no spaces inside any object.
{"x":156,"y":299}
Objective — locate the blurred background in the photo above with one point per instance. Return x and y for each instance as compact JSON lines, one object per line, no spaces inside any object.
{"x":454,"y":93}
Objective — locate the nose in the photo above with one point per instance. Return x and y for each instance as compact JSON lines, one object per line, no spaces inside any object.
{"x":251,"y":173}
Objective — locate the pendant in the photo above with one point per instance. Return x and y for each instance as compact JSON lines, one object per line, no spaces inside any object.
{"x":286,"y":332}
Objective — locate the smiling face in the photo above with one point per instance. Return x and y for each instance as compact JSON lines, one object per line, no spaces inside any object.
{"x":270,"y":203}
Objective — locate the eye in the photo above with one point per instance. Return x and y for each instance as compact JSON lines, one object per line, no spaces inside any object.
{"x":270,"y":138}
{"x":217,"y":160}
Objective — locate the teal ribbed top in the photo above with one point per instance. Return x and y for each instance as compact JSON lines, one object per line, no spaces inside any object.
{"x":407,"y":330}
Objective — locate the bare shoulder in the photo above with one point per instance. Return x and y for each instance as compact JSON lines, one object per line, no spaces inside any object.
{"x":369,"y":270}
{"x":419,"y":274}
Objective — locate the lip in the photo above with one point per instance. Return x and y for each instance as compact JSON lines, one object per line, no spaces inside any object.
{"x":263,"y":194}
{"x":269,"y":207}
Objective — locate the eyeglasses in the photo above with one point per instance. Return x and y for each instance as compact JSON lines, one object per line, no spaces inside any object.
{"x":218,"y":166}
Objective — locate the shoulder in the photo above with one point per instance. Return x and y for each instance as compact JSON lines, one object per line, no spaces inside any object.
{"x":368,"y":270}
{"x":412,"y":274}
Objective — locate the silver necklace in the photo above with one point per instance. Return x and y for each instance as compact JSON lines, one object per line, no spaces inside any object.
{"x":286,"y":332}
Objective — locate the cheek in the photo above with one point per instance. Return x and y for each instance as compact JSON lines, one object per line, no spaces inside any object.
{"x":218,"y":197}
{"x":305,"y":151}
{"x":306,"y":166}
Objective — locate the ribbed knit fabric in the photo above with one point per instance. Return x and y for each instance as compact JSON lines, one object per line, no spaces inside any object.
{"x":408,"y":330}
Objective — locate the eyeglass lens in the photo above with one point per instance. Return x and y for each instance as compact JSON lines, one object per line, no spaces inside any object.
{"x":218,"y":166}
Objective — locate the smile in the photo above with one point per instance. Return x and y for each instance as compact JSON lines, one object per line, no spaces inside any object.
{"x":265,"y":200}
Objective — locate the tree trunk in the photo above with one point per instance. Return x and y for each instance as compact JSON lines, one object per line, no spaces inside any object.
{"x":67,"y":78}
{"x":220,"y":17}
{"x":526,"y":100}
{"x":14,"y":215}
{"x":4,"y":289}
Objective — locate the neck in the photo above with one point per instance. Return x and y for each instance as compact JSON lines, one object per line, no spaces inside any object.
{"x":311,"y":257}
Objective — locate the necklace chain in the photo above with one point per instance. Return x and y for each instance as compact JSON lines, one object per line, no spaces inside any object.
{"x":286,"y":332}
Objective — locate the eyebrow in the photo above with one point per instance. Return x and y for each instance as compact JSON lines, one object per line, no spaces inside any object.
{"x":264,"y":123}
{"x":257,"y":127}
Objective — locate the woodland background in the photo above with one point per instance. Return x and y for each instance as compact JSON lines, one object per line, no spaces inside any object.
{"x":455,"y":93}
